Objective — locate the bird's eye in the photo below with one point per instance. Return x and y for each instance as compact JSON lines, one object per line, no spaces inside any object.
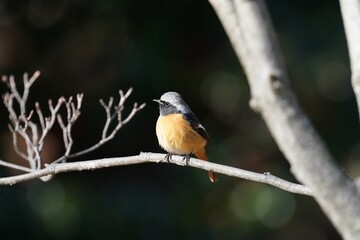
{"x":166,"y":104}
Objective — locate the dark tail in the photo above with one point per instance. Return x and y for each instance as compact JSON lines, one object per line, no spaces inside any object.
{"x":202,"y":155}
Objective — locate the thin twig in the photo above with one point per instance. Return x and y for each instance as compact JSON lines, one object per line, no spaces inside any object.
{"x":72,"y":115}
{"x":8,"y":100}
{"x":16,"y":146}
{"x":107,"y":109}
{"x":40,"y":115}
{"x":14,"y":166}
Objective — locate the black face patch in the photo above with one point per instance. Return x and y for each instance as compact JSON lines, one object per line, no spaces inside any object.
{"x":166,"y":109}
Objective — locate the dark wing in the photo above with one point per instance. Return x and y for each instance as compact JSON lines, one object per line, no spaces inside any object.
{"x":196,"y":125}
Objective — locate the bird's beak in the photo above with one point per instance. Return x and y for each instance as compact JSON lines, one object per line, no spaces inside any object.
{"x":157,"y":100}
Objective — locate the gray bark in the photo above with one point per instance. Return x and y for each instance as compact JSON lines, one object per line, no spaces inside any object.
{"x":248,"y":25}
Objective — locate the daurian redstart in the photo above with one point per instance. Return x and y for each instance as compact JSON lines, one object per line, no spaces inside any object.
{"x":179,"y":131}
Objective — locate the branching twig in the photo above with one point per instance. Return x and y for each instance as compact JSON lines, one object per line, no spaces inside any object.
{"x":54,"y":169}
{"x":21,"y":124}
{"x":48,"y":122}
{"x":34,"y":134}
{"x":105,"y":137}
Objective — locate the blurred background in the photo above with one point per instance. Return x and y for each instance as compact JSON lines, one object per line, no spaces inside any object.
{"x":96,"y":47}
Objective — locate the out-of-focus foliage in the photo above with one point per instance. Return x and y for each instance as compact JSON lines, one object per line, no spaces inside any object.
{"x":99,"y":46}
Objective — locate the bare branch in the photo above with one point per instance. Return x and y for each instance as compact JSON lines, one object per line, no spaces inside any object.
{"x":34,"y":136}
{"x":156,"y":158}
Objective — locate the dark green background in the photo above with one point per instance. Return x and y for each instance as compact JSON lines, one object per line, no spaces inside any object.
{"x":99,"y":46}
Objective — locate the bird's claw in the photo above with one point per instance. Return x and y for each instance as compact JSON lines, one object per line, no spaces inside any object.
{"x":187,"y":159}
{"x":168,"y":157}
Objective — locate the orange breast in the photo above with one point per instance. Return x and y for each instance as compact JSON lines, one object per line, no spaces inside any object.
{"x":176,"y":136}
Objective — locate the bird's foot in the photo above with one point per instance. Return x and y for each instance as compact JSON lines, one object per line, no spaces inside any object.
{"x":186,"y":159}
{"x":168,"y":157}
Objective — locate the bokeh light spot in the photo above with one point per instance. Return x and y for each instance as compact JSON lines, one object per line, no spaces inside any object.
{"x":274,"y":207}
{"x":253,"y":202}
{"x":221,"y":90}
{"x":242,"y":201}
{"x":60,"y":217}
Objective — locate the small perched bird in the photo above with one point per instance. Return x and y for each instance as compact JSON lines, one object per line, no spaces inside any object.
{"x":179,"y":131}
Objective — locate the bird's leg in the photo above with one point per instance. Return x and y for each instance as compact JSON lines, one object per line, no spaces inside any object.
{"x":187,"y":159}
{"x":168,"y":157}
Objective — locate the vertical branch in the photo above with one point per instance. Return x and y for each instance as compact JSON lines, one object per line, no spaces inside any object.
{"x":107,"y":109}
{"x":8,"y":100}
{"x":72,"y":114}
{"x":249,"y":28}
{"x":27,"y":84}
{"x":350,"y":11}
{"x":34,"y":144}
